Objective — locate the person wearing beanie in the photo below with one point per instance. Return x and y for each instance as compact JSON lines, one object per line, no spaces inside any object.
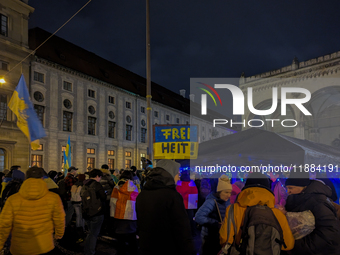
{"x":314,"y":195}
{"x":211,"y":214}
{"x":34,"y":216}
{"x":162,"y":221}
{"x":257,"y":191}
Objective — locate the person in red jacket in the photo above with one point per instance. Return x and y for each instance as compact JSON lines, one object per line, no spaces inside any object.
{"x":188,"y":190}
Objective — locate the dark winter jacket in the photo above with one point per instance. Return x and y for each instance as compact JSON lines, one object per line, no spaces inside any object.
{"x":207,"y":216}
{"x":107,"y":183}
{"x":161,"y":217}
{"x":325,"y":237}
{"x":100,"y":193}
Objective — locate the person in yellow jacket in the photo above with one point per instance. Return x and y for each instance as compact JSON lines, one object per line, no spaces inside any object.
{"x":32,"y":216}
{"x":255,"y":192}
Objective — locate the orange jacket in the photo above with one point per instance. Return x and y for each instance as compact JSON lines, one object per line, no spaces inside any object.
{"x":255,"y":196}
{"x":32,"y":215}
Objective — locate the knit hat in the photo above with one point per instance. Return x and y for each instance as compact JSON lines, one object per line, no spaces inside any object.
{"x":300,"y":179}
{"x":223,"y":183}
{"x":35,"y":172}
{"x":172,"y":167}
{"x":258,"y":179}
{"x":17,"y":174}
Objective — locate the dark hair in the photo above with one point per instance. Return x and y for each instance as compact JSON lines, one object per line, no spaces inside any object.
{"x":126,"y":175}
{"x":95,"y":172}
{"x":52,"y":174}
{"x":134,"y":169}
{"x":105,"y":166}
{"x":15,"y":167}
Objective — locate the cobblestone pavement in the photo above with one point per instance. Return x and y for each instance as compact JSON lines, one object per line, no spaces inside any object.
{"x":104,"y":247}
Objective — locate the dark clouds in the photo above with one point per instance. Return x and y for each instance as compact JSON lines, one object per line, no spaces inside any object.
{"x":197,"y":38}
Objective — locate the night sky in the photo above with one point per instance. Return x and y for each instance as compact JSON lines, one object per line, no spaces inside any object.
{"x":216,"y":38}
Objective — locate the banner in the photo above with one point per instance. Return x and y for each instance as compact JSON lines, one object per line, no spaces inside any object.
{"x":175,"y":141}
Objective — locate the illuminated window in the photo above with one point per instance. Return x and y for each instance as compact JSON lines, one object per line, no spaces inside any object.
{"x":110,"y":152}
{"x":111,"y":163}
{"x":90,"y":151}
{"x":41,"y":148}
{"x":128,"y":154}
{"x":90,"y":163}
{"x":127,"y":163}
{"x":37,"y":160}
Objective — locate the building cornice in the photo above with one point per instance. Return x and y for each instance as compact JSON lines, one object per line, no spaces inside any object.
{"x":313,"y":68}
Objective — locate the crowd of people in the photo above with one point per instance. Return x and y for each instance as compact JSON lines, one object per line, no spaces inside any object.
{"x":161,"y":210}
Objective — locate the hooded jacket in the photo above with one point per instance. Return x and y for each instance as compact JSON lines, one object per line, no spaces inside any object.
{"x":161,"y":217}
{"x":32,"y":215}
{"x":251,"y":196}
{"x":325,"y":237}
{"x":107,"y":182}
{"x":208,"y":216}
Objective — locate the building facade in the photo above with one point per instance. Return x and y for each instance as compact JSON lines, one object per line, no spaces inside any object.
{"x":321,"y":76}
{"x":76,"y":94}
{"x":14,"y":14}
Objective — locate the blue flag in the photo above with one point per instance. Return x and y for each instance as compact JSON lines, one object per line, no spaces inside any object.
{"x":67,"y":156}
{"x":27,"y":118}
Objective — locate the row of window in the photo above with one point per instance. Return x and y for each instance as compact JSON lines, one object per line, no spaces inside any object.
{"x":91,"y":93}
{"x":38,"y":159}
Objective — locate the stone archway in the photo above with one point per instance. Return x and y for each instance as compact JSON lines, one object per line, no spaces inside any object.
{"x":324,"y":124}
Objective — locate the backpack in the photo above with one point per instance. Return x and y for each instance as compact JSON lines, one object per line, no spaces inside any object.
{"x":261,"y":233}
{"x":11,"y":188}
{"x":91,"y":203}
{"x":76,"y":193}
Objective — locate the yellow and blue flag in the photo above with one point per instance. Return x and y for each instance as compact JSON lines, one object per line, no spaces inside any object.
{"x":67,"y":156}
{"x":27,"y":119}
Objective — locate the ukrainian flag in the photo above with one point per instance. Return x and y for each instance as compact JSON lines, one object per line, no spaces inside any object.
{"x":27,"y":118}
{"x":67,"y":156}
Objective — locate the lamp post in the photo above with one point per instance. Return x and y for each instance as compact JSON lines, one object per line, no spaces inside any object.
{"x":148,"y":84}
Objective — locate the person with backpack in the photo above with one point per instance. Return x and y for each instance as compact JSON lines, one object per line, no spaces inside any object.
{"x":314,"y":196}
{"x":255,"y":222}
{"x":123,"y":200}
{"x":77,"y":205}
{"x":93,"y":202}
{"x":162,"y":221}
{"x":211,"y":215}
{"x":34,"y":216}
